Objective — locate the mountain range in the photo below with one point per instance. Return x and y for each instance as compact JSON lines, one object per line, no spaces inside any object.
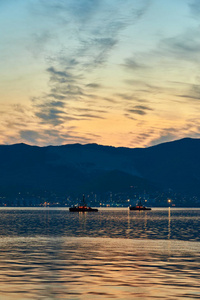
{"x":77,"y":168}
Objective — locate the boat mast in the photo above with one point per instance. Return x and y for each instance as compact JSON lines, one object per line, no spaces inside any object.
{"x":84,"y":203}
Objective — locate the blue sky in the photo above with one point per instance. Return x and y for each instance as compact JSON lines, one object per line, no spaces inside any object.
{"x":120,"y":73}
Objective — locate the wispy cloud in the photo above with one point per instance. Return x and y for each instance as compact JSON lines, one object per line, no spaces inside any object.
{"x":165,"y":137}
{"x":125,"y":96}
{"x":93,"y":26}
{"x":53,"y":137}
{"x":139,"y":110}
{"x":188,"y":97}
{"x":94,"y":85}
{"x":190,"y":128}
{"x":89,"y":116}
{"x":129,"y":116}
{"x":190,"y":92}
{"x":195,"y":8}
{"x":133,"y":64}
{"x":61,"y":76}
{"x":90,"y":47}
{"x":183,"y":47}
{"x":89,"y":110}
{"x":30,"y":136}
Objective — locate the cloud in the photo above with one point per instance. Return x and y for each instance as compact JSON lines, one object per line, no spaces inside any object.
{"x":76,"y":139}
{"x":30,"y":136}
{"x":39,"y":42}
{"x":56,"y":96}
{"x":126,"y":96}
{"x":139,"y":110}
{"x":89,"y":113}
{"x":80,"y":109}
{"x":65,"y":87}
{"x":144,"y":86}
{"x":52,"y":137}
{"x":94,"y":85}
{"x":110,"y":100}
{"x":190,"y":97}
{"x":134,"y":65}
{"x":143,"y":107}
{"x":165,"y":137}
{"x":76,"y":39}
{"x":70,"y":91}
{"x":60,"y":76}
{"x":167,"y":57}
{"x":89,"y":116}
{"x":71,"y":137}
{"x":82,"y":11}
{"x":19,"y":108}
{"x":129,"y":117}
{"x":91,"y":42}
{"x":192,"y":92}
{"x":195,"y":7}
{"x":81,"y":20}
{"x":57,"y":103}
{"x":105,"y":45}
{"x":134,"y":97}
{"x":174,"y":57}
{"x":183,"y":47}
{"x":190,"y":128}
{"x":51,"y":112}
{"x":59,"y":112}
{"x":195,"y":90}
{"x":50,"y":117}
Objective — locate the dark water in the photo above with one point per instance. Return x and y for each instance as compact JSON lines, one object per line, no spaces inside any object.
{"x":112,"y":254}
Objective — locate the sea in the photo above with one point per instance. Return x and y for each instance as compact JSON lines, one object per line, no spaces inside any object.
{"x":115,"y":253}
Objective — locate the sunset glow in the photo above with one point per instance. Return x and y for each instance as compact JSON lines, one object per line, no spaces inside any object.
{"x":112,"y":72}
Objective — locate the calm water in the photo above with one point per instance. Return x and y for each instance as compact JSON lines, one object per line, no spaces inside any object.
{"x":112,"y":254}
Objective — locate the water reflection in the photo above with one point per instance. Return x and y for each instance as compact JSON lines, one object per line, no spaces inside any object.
{"x":97,"y":268}
{"x":82,"y":220}
{"x":169,"y":220}
{"x":167,"y":223}
{"x":120,"y":254}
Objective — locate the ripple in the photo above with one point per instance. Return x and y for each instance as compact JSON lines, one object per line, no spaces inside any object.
{"x":103,"y":258}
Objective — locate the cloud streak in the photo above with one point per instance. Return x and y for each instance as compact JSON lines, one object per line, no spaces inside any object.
{"x":139,"y":110}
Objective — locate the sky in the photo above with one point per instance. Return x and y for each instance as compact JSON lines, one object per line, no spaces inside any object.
{"x":123,"y":73}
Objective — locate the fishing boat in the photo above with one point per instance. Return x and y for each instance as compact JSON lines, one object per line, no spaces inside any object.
{"x":139,"y":207}
{"x":82,"y":207}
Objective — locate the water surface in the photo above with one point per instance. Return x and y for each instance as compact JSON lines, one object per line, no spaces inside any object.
{"x":112,"y":254}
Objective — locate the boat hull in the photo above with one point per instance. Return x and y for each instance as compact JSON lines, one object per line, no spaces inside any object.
{"x":77,"y":209}
{"x":139,"y":208}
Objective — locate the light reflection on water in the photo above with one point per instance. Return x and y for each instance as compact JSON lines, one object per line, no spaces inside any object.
{"x":118,"y":254}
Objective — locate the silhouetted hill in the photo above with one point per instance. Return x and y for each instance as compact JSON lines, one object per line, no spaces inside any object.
{"x":173,"y":164}
{"x":76,"y":168}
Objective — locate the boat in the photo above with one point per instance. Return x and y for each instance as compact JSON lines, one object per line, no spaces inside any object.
{"x":82,"y":207}
{"x":139,"y":207}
